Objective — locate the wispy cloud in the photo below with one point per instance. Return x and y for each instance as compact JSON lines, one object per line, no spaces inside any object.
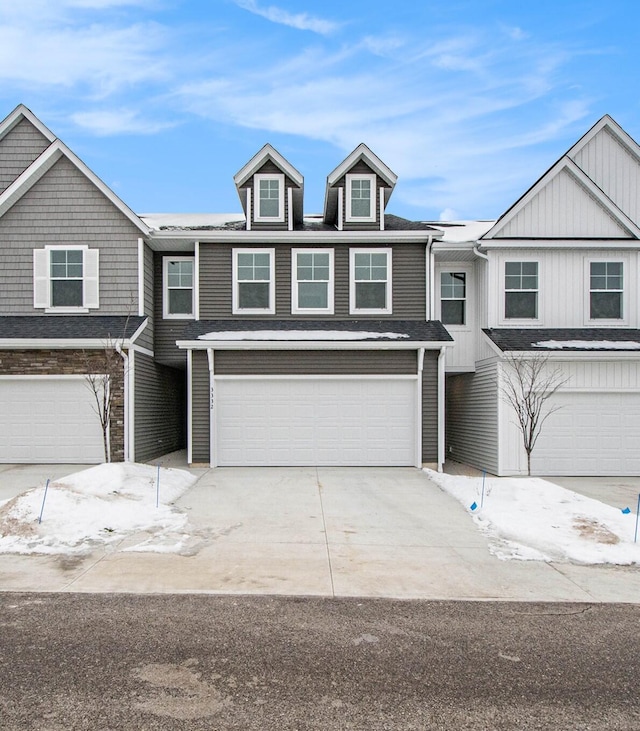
{"x":105,"y":123}
{"x":300,"y":21}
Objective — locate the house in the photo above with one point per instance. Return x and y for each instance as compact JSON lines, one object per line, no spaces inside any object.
{"x":268,"y":338}
{"x":556,"y":275}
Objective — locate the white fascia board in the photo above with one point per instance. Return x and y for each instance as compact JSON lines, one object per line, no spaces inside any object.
{"x":257,"y":161}
{"x":492,"y":345}
{"x":569,"y":355}
{"x":569,"y":244}
{"x":55,"y":344}
{"x":138,"y":332}
{"x":19,"y":113}
{"x":615,"y":129}
{"x":309,"y":345}
{"x":362,"y":152}
{"x":308,"y":238}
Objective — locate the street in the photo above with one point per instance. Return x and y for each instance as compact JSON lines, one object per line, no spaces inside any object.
{"x":84,"y":661}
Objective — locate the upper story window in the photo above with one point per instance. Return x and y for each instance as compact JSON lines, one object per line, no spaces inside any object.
{"x":178,"y":278}
{"x":370,"y":281}
{"x":453,"y":298}
{"x":521,"y":290}
{"x":361,"y":205}
{"x":312,"y":281}
{"x":65,"y":278}
{"x":605,"y":290}
{"x":253,"y":281}
{"x":269,"y":198}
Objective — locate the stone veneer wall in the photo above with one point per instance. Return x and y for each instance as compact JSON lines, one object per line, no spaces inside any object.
{"x":71,"y":362}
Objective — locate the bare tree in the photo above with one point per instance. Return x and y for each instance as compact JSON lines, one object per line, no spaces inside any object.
{"x":527,"y":385}
{"x":103,"y":370}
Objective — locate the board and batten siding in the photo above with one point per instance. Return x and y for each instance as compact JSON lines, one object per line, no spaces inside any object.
{"x":430,"y":406}
{"x":64,"y":207}
{"x":18,"y":149}
{"x":200,"y":408}
{"x":472,"y":417}
{"x":408,"y":281}
{"x":160,"y":409}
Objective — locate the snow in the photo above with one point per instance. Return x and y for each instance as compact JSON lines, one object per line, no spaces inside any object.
{"x":298,"y":335}
{"x":588,"y":344}
{"x":97,"y":506}
{"x":533,"y":519}
{"x":190,"y":220}
{"x":458,"y":232}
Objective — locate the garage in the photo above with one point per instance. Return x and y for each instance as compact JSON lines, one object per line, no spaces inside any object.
{"x":48,"y":419}
{"x":325,"y":421}
{"x":595,"y":433}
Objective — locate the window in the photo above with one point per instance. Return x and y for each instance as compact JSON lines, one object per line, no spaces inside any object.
{"x":269,"y":198}
{"x":178,"y":287}
{"x":253,"y":281}
{"x":605,"y":290}
{"x":312,"y":281}
{"x":521,"y":290}
{"x":370,"y":290}
{"x":453,"y":294}
{"x":65,"y":278}
{"x":361,"y":198}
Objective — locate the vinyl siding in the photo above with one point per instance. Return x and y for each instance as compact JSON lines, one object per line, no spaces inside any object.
{"x":430,"y":406}
{"x":166,"y":332}
{"x":200,"y":413}
{"x":267,"y":169}
{"x":160,"y":412}
{"x":472,"y":417}
{"x":18,"y":149}
{"x":63,"y":207}
{"x":146,"y":340}
{"x":363,"y":169}
{"x":408,"y":280}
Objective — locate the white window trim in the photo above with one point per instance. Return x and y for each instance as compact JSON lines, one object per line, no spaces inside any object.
{"x":165,"y":288}
{"x":353,"y":310}
{"x":455,"y":269}
{"x":371,"y":218}
{"x":272,"y":283}
{"x":48,"y":308}
{"x":520,"y":321}
{"x":601,"y":322}
{"x":328,"y":310}
{"x":256,"y":197}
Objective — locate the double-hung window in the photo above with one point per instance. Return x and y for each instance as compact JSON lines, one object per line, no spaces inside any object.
{"x":269,"y":198}
{"x":370,"y":285}
{"x":253,"y":281}
{"x":605,"y":290}
{"x":312,"y":281}
{"x":453,"y":298}
{"x":178,"y":276}
{"x":521,"y":290}
{"x":361,"y":202}
{"x":65,"y":278}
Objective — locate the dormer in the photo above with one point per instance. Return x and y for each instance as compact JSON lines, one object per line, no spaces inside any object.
{"x":271,"y":192}
{"x":358,"y":191}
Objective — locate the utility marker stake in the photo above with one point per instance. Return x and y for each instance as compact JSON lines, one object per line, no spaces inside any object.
{"x":635,"y":537}
{"x":158,"y":487}
{"x":46,"y":487}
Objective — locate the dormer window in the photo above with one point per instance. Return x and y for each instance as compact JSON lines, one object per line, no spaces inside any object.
{"x":361,"y":205}
{"x":269,"y":198}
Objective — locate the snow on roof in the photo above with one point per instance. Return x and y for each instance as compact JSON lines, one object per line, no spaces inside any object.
{"x":458,"y":232}
{"x":190,"y":220}
{"x":298,"y":335}
{"x":588,"y":344}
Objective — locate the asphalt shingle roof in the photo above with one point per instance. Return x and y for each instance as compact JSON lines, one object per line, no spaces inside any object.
{"x":525,"y":339}
{"x":68,"y":327}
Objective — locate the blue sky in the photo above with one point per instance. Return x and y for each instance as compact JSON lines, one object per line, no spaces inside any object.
{"x":469,"y":102}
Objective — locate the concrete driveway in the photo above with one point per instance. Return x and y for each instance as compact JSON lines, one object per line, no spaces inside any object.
{"x":374,"y":532}
{"x":16,"y":478}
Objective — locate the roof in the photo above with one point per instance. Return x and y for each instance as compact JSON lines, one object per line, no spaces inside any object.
{"x":69,"y":327}
{"x":461,"y":232}
{"x":405,"y":331}
{"x":565,"y":339}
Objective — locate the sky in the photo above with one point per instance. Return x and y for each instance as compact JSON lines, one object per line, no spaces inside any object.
{"x":467,"y":101}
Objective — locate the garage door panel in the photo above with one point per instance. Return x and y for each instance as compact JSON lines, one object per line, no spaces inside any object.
{"x":315,"y":422}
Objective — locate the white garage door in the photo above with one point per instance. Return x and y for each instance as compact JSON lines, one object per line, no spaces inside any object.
{"x":592,"y":434}
{"x":314,"y":421}
{"x":46,"y":419}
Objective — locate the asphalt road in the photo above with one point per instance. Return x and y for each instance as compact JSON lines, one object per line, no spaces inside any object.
{"x":78,"y":661}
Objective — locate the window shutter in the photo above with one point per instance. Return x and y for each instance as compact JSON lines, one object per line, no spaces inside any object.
{"x":40,"y":278}
{"x":90,"y":276}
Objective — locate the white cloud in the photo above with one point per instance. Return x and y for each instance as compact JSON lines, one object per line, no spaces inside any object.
{"x":300,"y":21}
{"x":448,"y":214}
{"x":118,"y":121}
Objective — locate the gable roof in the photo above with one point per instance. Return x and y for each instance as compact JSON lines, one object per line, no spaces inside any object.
{"x":17,"y":115}
{"x":56,"y":329}
{"x":610,"y":215}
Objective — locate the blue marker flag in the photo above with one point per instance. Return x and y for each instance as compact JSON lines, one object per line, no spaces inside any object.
{"x":626,"y":511}
{"x":474,"y":505}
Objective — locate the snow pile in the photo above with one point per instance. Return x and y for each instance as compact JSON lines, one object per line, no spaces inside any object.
{"x":532,"y":519}
{"x":298,"y":335}
{"x":588,"y":344}
{"x":97,"y":506}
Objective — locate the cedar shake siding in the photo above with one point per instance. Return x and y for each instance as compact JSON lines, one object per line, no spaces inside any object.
{"x":71,"y":362}
{"x":200,"y":407}
{"x":18,"y":149}
{"x":408,"y":281}
{"x":63,"y":207}
{"x":146,"y":339}
{"x":160,"y":413}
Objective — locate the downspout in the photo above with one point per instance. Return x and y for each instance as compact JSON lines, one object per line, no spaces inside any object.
{"x":477,"y":252}
{"x":127,"y":407}
{"x":430,"y":298}
{"x":441,"y":408}
{"x":419,"y":401}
